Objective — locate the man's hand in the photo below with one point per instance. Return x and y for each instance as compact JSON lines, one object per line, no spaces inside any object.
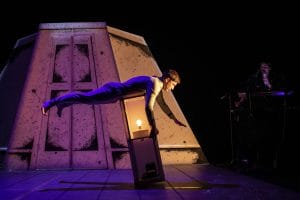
{"x":179,"y":122}
{"x":242,"y":98}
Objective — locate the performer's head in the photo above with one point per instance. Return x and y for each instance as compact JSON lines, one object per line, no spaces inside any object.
{"x":170,"y":79}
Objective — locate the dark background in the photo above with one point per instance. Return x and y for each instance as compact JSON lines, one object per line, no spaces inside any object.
{"x":213,"y":47}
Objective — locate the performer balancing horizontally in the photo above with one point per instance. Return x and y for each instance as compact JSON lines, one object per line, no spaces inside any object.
{"x":113,"y":91}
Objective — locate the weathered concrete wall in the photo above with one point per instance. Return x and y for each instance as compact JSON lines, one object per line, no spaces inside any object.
{"x":178,"y":145}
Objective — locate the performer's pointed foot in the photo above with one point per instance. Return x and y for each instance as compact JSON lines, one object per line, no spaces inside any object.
{"x":44,"y":110}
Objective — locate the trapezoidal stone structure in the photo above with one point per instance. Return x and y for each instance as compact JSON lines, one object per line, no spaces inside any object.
{"x":81,"y":57}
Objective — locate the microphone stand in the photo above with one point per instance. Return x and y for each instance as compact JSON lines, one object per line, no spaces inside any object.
{"x":231,"y":129}
{"x":275,"y":162}
{"x":227,"y":95}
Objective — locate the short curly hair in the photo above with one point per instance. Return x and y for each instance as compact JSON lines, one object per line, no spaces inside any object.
{"x":172,"y":74}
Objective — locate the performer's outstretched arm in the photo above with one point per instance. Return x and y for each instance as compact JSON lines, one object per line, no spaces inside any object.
{"x":164,"y":106}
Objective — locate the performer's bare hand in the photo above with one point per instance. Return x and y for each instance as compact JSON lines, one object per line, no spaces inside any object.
{"x":179,"y":122}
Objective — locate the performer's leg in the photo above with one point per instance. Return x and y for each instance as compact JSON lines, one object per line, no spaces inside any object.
{"x":105,"y":94}
{"x":63,"y":101}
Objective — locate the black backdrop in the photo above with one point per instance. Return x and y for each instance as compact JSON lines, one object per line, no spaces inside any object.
{"x":213,"y":48}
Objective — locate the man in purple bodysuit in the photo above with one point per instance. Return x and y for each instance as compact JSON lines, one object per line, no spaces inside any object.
{"x":113,"y":91}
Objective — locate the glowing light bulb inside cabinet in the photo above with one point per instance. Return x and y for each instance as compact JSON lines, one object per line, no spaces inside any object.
{"x":139,"y":123}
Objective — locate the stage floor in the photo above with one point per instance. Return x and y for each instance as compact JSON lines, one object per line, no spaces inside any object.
{"x":182,"y":182}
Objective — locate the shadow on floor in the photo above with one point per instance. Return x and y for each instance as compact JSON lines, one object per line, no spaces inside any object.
{"x":193,"y":185}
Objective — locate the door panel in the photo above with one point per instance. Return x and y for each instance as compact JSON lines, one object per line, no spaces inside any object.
{"x":74,"y":140}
